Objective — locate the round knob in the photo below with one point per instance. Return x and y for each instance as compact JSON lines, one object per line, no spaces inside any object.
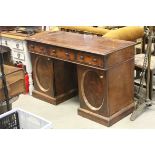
{"x":94,"y":59}
{"x":17,"y":45}
{"x":42,"y":48}
{"x":32,"y":46}
{"x":53,"y":52}
{"x":67,"y":53}
{"x":101,"y":76}
{"x":81,"y":57}
{"x":6,"y":43}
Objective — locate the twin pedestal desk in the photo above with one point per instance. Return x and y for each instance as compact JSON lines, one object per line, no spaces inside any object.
{"x":100,"y":70}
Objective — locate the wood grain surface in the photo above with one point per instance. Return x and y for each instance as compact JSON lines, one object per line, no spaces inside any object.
{"x":82,"y":42}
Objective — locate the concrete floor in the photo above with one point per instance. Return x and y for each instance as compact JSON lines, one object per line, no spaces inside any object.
{"x":65,"y":115}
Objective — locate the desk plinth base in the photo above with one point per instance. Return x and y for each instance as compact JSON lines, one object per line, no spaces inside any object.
{"x":107,"y":121}
{"x":55,"y":100}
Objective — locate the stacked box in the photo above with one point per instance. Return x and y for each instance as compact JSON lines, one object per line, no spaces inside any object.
{"x":15,"y":81}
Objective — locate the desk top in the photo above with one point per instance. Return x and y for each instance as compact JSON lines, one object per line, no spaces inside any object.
{"x":81,"y":42}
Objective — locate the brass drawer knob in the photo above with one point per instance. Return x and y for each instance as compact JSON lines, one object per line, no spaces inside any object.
{"x":53,"y":51}
{"x":42,"y":48}
{"x":81,"y":57}
{"x":94,"y":59}
{"x":32,"y":46}
{"x":67,"y":54}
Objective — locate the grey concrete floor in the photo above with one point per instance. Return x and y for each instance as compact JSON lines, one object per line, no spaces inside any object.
{"x":64,"y":115}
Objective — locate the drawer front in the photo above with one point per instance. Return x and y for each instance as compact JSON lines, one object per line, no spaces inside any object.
{"x":65,"y":54}
{"x":13,"y":43}
{"x":5,"y":42}
{"x":18,"y":55}
{"x":37,"y":48}
{"x":51,"y":51}
{"x":42,"y":49}
{"x":17,"y":44}
{"x":62,"y":53}
{"x":31,"y":47}
{"x":90,"y":59}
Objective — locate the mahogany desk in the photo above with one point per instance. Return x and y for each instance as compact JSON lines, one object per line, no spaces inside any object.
{"x":105,"y":71}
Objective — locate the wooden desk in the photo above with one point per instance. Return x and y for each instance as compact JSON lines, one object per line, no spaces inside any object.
{"x":105,"y":70}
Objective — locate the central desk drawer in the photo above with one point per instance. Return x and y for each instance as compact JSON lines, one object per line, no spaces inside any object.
{"x":65,"y":54}
{"x":90,"y":59}
{"x":62,"y":53}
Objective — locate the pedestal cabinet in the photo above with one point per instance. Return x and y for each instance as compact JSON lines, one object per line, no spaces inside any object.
{"x":106,"y":96}
{"x":54,"y":80}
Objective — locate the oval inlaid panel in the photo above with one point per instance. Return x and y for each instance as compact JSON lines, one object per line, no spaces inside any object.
{"x":93,"y":90}
{"x":43,"y":72}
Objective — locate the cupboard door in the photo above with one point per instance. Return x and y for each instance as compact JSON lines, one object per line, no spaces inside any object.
{"x":43,"y":74}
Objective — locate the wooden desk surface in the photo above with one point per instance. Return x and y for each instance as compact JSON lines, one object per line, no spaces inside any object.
{"x":82,"y":42}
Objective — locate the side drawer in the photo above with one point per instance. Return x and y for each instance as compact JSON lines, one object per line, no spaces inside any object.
{"x":17,"y":44}
{"x":90,"y":59}
{"x":37,"y":48}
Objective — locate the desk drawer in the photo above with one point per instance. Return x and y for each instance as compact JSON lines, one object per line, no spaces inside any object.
{"x":37,"y":48}
{"x":51,"y":51}
{"x":6,"y":42}
{"x":17,"y":44}
{"x":90,"y":59}
{"x":31,"y":47}
{"x":65,"y":54}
